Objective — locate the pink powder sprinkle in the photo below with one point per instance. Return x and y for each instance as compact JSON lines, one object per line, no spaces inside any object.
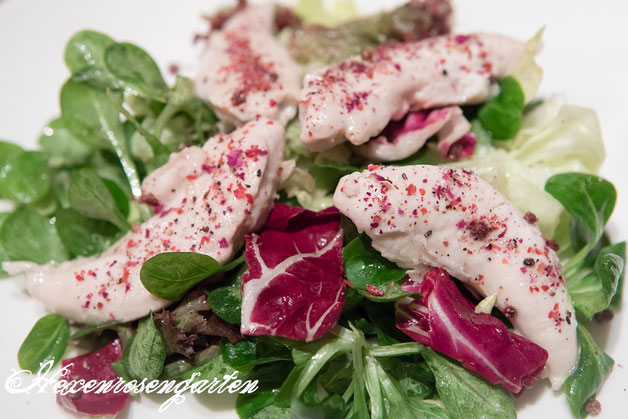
{"x":233,"y":158}
{"x":223,"y":243}
{"x":449,"y":193}
{"x":380,"y":178}
{"x":374,"y":290}
{"x":207,"y":168}
{"x":461,"y":39}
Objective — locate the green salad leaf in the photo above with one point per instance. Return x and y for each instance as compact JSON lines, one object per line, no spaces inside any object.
{"x":4,"y":257}
{"x":83,"y":236}
{"x":25,"y":178}
{"x":213,"y":367}
{"x":92,"y":117}
{"x":589,"y":200}
{"x":464,"y":394}
{"x":27,"y":236}
{"x":316,"y":12}
{"x":327,"y":175}
{"x":226,"y":303}
{"x":86,"y":49}
{"x":89,"y":195}
{"x":502,"y":115}
{"x":136,"y":69}
{"x":258,"y":351}
{"x":169,"y":275}
{"x":8,"y":152}
{"x":270,"y":378}
{"x":594,"y":291}
{"x":46,"y":342}
{"x":593,"y":368}
{"x":366,"y":268}
{"x":145,"y":355}
{"x":62,"y":147}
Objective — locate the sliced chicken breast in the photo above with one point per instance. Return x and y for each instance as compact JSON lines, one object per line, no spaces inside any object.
{"x":205,"y":199}
{"x":355,"y":99}
{"x":245,"y":72}
{"x":434,"y":216}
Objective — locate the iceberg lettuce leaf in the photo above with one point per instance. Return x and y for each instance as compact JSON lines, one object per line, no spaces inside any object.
{"x":554,"y":138}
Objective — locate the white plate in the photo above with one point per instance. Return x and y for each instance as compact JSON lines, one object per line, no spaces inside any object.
{"x":584,"y":56}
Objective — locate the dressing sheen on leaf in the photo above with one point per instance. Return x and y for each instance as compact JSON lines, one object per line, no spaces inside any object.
{"x":446,"y":321}
{"x":294,"y":286}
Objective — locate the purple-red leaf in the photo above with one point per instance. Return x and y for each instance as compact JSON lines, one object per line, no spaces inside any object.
{"x":427,"y":120}
{"x":294,"y":286}
{"x":94,"y":366}
{"x":446,"y":321}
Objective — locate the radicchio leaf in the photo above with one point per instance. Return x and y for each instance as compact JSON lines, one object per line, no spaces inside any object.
{"x":294,"y":286}
{"x":455,"y":139}
{"x":423,"y":123}
{"x":445,"y":321}
{"x":94,"y":366}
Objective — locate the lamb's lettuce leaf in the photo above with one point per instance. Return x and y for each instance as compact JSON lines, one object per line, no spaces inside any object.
{"x":594,"y":289}
{"x":590,"y":201}
{"x":47,"y":341}
{"x":501,"y":116}
{"x":371,"y":275}
{"x":28,"y":236}
{"x":593,"y":368}
{"x":464,"y":394}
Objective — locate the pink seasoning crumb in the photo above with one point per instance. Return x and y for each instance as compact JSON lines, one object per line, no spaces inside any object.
{"x":233,"y":158}
{"x":461,"y":39}
{"x":373,"y":290}
{"x":223,"y":243}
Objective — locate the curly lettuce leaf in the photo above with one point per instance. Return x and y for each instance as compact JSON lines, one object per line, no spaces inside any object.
{"x":315,"y":12}
{"x":527,"y":72}
{"x":322,"y":40}
{"x":554,"y":138}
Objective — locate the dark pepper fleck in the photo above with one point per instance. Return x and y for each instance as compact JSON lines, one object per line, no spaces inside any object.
{"x":510,"y":312}
{"x":530,"y":217}
{"x":529,"y":262}
{"x":238,"y":97}
{"x":552,"y":244}
{"x":603,"y":316}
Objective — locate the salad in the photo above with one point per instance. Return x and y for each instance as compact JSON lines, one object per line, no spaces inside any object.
{"x":368,"y":216}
